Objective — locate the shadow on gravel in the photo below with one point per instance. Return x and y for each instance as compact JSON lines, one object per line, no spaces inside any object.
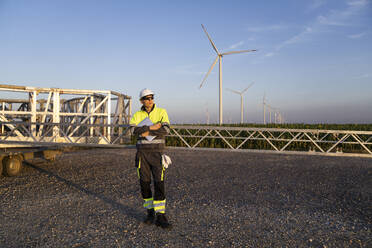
{"x":126,"y":210}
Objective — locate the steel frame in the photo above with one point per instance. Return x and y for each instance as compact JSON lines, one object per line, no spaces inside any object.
{"x":55,"y":115}
{"x":304,"y":141}
{"x":310,"y":141}
{"x":117,"y":136}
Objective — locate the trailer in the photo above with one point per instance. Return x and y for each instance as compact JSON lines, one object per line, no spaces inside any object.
{"x":45,"y":122}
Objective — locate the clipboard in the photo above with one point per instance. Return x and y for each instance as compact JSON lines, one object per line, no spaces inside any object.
{"x":147,"y":122}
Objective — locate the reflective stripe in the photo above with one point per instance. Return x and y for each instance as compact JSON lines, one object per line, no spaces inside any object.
{"x":138,"y":168}
{"x":159,"y":206}
{"x":162,"y":211}
{"x":148,"y":203}
{"x":155,"y":141}
{"x":162,"y":174}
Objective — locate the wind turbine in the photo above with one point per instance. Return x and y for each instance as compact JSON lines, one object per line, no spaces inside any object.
{"x":207,"y":113}
{"x":219,"y":57}
{"x":241,"y":101}
{"x":264,"y":108}
{"x":270,"y":109}
{"x":278,"y":117}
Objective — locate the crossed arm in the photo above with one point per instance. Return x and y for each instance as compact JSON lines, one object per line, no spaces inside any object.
{"x":153,"y":130}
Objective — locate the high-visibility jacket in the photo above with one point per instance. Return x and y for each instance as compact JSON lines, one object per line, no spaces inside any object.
{"x":156,"y":115}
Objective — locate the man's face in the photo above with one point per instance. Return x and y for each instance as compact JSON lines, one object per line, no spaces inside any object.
{"x":148,"y":101}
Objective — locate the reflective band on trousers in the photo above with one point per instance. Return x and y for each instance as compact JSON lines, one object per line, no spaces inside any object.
{"x":159,"y":206}
{"x":148,"y":203}
{"x":138,"y":168}
{"x":162,"y":174}
{"x":155,"y":141}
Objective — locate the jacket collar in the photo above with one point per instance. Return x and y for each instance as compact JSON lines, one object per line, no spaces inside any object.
{"x":144,"y":109}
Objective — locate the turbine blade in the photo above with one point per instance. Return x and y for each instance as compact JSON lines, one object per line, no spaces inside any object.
{"x":210,"y":39}
{"x":247,"y":88}
{"x":237,"y":92}
{"x":210,"y":69}
{"x":242,"y":51}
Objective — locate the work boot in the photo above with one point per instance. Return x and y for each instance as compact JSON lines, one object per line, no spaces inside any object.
{"x":162,"y":221}
{"x":150,"y":217}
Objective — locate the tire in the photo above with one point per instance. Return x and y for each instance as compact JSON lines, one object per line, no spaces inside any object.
{"x":12,"y":165}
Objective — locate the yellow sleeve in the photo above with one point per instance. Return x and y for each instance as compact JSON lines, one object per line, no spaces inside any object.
{"x":135,"y":120}
{"x":164,"y":117}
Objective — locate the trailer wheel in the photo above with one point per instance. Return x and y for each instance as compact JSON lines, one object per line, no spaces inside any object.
{"x":12,"y":165}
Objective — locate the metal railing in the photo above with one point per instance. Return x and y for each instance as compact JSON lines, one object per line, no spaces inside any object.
{"x":306,"y":141}
{"x":278,"y":140}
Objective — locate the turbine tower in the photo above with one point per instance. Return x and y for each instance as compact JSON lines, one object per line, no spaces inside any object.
{"x":207,"y":113}
{"x":241,"y":101}
{"x":264,"y":109}
{"x":270,"y":109}
{"x":219,"y":57}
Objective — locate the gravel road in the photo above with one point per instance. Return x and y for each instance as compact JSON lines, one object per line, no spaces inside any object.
{"x":91,"y":198}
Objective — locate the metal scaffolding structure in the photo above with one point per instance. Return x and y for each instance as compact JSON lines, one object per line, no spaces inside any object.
{"x":39,"y":116}
{"x":35,"y":117}
{"x":304,"y":141}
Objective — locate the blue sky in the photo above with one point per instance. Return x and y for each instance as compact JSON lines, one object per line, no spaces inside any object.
{"x":314,"y":58}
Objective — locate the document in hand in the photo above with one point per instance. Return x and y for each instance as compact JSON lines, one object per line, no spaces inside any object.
{"x":146,"y":122}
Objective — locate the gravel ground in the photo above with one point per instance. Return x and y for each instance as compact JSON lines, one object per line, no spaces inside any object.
{"x":214,"y":199}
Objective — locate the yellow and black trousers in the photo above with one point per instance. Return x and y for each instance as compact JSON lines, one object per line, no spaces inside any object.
{"x":149,"y":166}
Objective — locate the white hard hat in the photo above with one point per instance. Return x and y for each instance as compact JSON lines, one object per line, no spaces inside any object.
{"x":145,"y":92}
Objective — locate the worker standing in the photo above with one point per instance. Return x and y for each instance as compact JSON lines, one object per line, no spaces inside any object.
{"x":150,"y":125}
